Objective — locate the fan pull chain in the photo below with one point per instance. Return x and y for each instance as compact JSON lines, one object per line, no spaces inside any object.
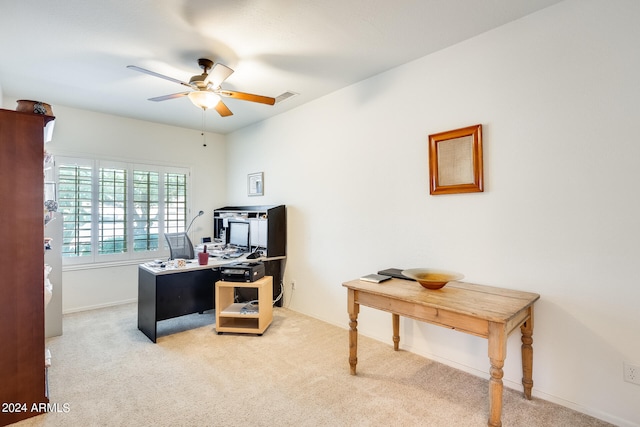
{"x":204,"y":137}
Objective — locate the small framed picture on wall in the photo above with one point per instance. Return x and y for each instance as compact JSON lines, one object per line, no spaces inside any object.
{"x":455,"y":161}
{"x":255,"y":184}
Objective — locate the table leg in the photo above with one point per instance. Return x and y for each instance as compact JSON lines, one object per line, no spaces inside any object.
{"x":527,"y":354}
{"x":395,"y":318}
{"x":353,"y":308}
{"x":497,"y":354}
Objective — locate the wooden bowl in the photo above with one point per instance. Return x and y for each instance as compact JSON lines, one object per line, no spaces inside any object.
{"x":431,"y":278}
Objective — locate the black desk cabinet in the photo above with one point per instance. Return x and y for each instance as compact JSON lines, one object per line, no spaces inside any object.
{"x":165,"y":296}
{"x":275,"y":217}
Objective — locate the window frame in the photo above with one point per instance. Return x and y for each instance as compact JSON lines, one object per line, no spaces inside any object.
{"x":130,"y":256}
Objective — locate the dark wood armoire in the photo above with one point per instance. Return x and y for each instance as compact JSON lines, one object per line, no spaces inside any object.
{"x":22,"y":343}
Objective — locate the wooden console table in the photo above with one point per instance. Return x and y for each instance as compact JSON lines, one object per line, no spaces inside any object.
{"x":484,"y":311}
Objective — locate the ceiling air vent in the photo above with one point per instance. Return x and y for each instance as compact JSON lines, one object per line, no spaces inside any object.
{"x":284,"y":96}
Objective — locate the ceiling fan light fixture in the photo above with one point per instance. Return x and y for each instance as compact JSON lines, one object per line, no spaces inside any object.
{"x":204,"y":99}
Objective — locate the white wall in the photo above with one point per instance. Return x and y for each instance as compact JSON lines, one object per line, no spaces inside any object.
{"x":93,"y":135}
{"x":556,"y":93}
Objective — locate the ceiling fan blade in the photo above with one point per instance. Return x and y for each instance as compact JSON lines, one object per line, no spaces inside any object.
{"x":162,"y":76}
{"x":218,"y":74}
{"x":222,"y":109}
{"x":247,"y":97}
{"x":172,"y":96}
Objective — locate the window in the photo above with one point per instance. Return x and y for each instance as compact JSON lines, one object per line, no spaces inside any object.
{"x":75,"y":205}
{"x":112,"y":211}
{"x":146,"y":205}
{"x":115,"y":211}
{"x":175,"y":212}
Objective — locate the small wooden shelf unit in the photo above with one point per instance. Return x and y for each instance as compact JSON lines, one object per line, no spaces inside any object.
{"x":229,"y":315}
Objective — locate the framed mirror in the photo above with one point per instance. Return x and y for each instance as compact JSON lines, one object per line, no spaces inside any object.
{"x":455,"y":161}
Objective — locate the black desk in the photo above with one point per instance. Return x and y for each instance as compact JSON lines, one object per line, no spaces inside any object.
{"x":165,"y":293}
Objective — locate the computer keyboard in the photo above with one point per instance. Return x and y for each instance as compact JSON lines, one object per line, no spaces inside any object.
{"x":233,"y":255}
{"x":224,"y":252}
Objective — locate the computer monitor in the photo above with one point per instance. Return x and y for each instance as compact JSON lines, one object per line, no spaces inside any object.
{"x":239,"y":234}
{"x":179,"y":245}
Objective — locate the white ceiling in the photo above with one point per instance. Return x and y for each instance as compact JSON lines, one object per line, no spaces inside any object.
{"x":75,"y":52}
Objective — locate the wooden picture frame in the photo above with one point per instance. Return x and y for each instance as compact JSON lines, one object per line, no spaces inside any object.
{"x":255,"y":184}
{"x":455,"y":161}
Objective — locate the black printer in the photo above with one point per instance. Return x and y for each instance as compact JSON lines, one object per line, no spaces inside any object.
{"x":242,"y":272}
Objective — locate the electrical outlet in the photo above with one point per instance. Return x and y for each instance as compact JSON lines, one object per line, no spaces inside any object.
{"x":631,"y":373}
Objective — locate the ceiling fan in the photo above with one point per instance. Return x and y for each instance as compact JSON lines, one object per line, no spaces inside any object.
{"x":205,"y":90}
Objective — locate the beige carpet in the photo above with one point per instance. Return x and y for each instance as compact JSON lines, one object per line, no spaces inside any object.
{"x":297,"y":374}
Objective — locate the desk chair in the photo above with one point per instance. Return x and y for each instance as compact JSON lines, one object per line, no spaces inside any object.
{"x":180,"y":245}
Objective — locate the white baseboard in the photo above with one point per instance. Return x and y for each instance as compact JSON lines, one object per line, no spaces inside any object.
{"x":588,"y":411}
{"x":604,"y":416}
{"x":534,"y":392}
{"x":98,"y":306}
